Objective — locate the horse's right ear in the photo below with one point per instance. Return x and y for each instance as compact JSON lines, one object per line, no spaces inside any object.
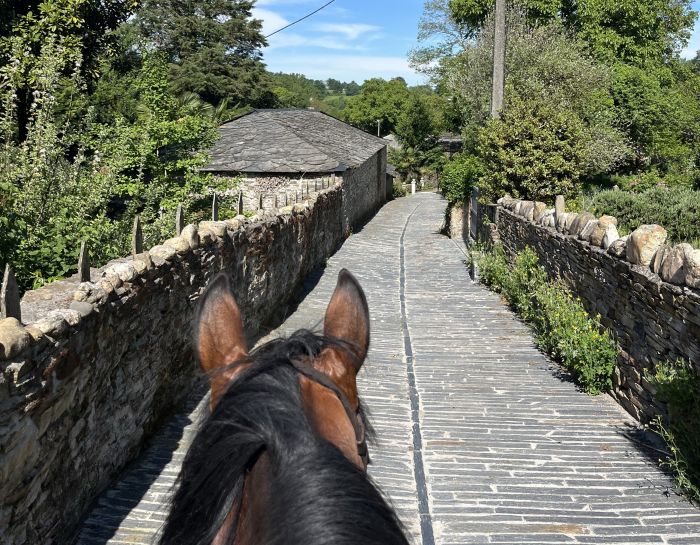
{"x":219,"y":339}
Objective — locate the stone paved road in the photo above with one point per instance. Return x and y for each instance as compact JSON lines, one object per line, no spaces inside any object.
{"x":481,"y":440}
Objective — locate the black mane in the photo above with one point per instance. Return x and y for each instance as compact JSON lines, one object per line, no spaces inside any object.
{"x":317,"y":496}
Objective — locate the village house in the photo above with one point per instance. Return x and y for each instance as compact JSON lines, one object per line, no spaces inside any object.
{"x":279,"y":157}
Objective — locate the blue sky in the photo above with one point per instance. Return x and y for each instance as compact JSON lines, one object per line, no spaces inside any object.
{"x":352,"y":39}
{"x":349,"y":40}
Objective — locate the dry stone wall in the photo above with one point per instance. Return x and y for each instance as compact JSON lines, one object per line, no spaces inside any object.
{"x":617,"y":278}
{"x":276,"y":191}
{"x":364,"y":189}
{"x":99,"y":364}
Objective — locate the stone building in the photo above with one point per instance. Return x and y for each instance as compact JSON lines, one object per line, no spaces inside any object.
{"x":278,"y":157}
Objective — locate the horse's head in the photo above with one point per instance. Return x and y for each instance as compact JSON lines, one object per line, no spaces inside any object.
{"x":327,"y":382}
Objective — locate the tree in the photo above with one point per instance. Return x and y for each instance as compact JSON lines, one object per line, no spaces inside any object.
{"x":614,"y":30}
{"x":414,"y":124}
{"x":535,"y":151}
{"x":296,"y":90}
{"x":79,"y":28}
{"x":379,"y":100}
{"x":212,"y":47}
{"x":334,"y":86}
{"x":352,"y":89}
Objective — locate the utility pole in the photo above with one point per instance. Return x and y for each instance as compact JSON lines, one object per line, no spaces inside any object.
{"x":379,"y":126}
{"x":499,"y":59}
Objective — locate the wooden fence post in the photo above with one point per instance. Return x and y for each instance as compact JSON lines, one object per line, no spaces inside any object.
{"x":260,"y":201}
{"x":240,"y":203}
{"x":84,"y":262}
{"x":9,"y":296}
{"x":179,"y":220}
{"x":137,"y":237}
{"x":214,"y":208}
{"x":276,"y":203}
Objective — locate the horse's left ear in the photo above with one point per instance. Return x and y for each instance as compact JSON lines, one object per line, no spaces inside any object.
{"x":219,"y":338}
{"x":347,"y":316}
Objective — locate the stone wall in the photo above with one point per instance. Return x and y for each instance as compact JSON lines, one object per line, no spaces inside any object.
{"x":276,"y":191}
{"x":653,"y":320}
{"x":364,"y":189}
{"x":100,"y":364}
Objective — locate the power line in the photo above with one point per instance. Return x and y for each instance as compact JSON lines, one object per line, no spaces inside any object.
{"x":300,"y":20}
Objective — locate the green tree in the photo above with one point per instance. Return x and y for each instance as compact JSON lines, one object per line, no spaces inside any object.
{"x":79,"y":28}
{"x":614,"y":30}
{"x":334,"y":86}
{"x":296,"y":90}
{"x":535,"y":151}
{"x":379,"y":100}
{"x":414,"y":125}
{"x":212,"y":47}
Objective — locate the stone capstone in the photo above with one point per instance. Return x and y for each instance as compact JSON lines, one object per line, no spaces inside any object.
{"x":644,"y":242}
{"x":580,"y":222}
{"x":691,"y":267}
{"x":14,"y":338}
{"x":611,"y":235}
{"x":588,"y":229}
{"x":539,"y":211}
{"x":619,"y":247}
{"x":191,"y":236}
{"x":672,"y":268}
{"x":527,"y":210}
{"x":559,"y":205}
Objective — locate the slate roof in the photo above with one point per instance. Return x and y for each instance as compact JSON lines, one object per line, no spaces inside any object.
{"x":292,"y":140}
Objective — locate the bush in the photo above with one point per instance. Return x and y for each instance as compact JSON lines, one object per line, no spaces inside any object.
{"x":535,"y":151}
{"x":398,"y":190}
{"x":561,"y":324}
{"x":460,"y":176}
{"x":677,"y":209}
{"x":678,"y":385}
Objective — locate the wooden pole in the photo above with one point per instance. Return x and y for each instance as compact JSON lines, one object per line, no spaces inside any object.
{"x":499,"y":59}
{"x":137,"y":237}
{"x":179,"y":220}
{"x":240,"y":203}
{"x":9,"y":296}
{"x":84,"y":262}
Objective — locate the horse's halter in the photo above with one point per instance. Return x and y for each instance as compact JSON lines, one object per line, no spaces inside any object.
{"x":355,"y":417}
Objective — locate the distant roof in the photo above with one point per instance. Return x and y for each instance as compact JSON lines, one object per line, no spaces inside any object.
{"x":291,"y":140}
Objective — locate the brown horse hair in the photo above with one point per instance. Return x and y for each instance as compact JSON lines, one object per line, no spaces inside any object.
{"x":316,"y":495}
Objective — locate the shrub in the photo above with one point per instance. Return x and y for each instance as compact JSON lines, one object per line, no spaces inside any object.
{"x":561,"y":324}
{"x":677,"y":209}
{"x":678,"y":385}
{"x":534,"y":151}
{"x":459,"y":177}
{"x":398,"y":190}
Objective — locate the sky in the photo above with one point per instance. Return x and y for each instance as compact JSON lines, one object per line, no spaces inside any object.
{"x":353,"y":39}
{"x":348,"y":40}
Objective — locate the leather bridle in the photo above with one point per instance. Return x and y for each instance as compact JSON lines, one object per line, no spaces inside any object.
{"x":355,"y":417}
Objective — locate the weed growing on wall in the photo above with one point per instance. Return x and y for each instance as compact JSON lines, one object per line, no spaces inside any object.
{"x":562,"y":326}
{"x":678,"y":385}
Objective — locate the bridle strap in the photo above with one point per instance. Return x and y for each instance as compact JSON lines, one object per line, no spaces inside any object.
{"x":323,"y":380}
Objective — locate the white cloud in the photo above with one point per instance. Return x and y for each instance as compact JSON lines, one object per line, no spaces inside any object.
{"x":271,"y":21}
{"x":350,"y":31}
{"x":283,"y":41}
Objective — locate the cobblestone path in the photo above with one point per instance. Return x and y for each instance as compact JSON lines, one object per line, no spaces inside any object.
{"x":481,"y":439}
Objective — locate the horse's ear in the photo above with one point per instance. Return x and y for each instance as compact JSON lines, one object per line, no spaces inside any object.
{"x":219,"y":338}
{"x":347,"y":316}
